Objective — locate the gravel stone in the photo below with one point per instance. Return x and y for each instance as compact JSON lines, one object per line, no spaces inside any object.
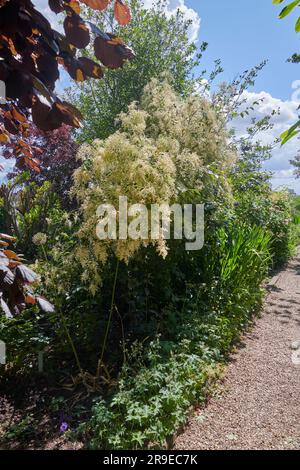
{"x":258,"y":408}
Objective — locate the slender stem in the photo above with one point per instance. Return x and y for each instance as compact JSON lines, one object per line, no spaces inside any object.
{"x":123,"y":336}
{"x":71,"y":343}
{"x":94,"y":97}
{"x":44,"y":253}
{"x":100,"y":362}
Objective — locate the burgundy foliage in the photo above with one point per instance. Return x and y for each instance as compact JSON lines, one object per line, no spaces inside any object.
{"x":30,"y":54}
{"x":56,"y":154}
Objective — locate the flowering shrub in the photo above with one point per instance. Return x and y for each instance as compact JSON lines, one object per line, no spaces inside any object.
{"x":166,"y":148}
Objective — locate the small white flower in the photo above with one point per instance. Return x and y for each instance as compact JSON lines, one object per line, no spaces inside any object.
{"x":39,"y":239}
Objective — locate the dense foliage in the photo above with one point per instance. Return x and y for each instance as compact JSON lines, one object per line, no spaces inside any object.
{"x":56,"y":152}
{"x":30,"y":54}
{"x":162,"y":47}
{"x":160,"y":320}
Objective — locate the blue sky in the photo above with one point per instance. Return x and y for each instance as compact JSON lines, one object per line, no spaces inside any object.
{"x":242,"y":33}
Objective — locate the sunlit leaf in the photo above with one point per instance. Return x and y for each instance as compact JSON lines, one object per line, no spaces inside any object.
{"x":11,"y":255}
{"x":30,"y":299}
{"x":7,"y":237}
{"x":4,"y":137}
{"x":17,"y":115}
{"x":90,"y":68}
{"x":74,"y":5}
{"x":290,"y":133}
{"x":122,"y":12}
{"x":26,"y":274}
{"x":97,"y":4}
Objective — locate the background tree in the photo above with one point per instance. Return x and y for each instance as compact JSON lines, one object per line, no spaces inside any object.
{"x":161,"y":45}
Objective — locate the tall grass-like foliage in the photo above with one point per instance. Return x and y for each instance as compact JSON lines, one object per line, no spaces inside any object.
{"x":243,"y":255}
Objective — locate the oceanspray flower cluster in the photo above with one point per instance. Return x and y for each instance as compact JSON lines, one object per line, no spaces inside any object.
{"x":166,"y":147}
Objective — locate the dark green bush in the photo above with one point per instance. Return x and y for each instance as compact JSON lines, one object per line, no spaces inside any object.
{"x":159,"y":382}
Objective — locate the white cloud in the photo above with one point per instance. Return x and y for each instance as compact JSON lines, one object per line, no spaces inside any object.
{"x":284,"y":174}
{"x":288,"y":110}
{"x":281,"y":156}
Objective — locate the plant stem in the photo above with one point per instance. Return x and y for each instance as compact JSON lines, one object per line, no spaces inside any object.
{"x":100,"y":362}
{"x":123,"y":336}
{"x":71,"y":343}
{"x":44,"y":253}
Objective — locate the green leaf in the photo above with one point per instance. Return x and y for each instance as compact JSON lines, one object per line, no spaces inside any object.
{"x":290,"y":133}
{"x":288,"y":9}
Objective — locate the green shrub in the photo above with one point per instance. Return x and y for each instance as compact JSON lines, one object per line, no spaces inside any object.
{"x":25,"y":336}
{"x":159,"y":383}
{"x":151,"y":405}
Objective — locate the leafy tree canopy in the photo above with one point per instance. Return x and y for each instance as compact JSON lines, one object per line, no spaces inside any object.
{"x":161,"y":45}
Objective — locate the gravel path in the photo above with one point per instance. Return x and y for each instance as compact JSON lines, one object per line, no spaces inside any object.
{"x":258,"y":404}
